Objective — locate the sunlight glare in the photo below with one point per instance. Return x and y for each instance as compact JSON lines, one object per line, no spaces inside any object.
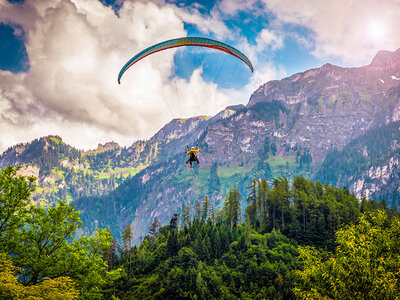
{"x":376,"y":30}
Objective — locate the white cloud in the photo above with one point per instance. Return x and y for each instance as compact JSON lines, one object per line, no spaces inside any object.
{"x":207,"y":24}
{"x":232,"y":7}
{"x":270,"y":40}
{"x":340,"y":26}
{"x":76,"y":49}
{"x":343,"y":30}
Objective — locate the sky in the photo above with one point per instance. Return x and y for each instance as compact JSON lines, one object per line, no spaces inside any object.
{"x":59,"y":59}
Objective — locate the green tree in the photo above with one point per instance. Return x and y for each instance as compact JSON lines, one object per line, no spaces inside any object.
{"x":127,"y":237}
{"x":252,"y":212}
{"x":185,"y":215}
{"x":365,"y":265}
{"x":49,"y":289}
{"x":154,"y":228}
{"x":197,"y":216}
{"x":43,"y":242}
{"x":263,"y":203}
{"x":206,"y":208}
{"x":14,"y":199}
{"x":212,"y":212}
{"x":43,"y":245}
{"x":232,"y":207}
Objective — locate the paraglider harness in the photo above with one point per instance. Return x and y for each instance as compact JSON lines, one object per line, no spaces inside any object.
{"x":192,"y":154}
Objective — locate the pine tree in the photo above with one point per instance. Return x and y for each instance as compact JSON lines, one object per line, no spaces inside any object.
{"x":127,"y":237}
{"x":212,"y":212}
{"x":263,"y":203}
{"x":185,"y":215}
{"x":206,"y":204}
{"x":154,"y":228}
{"x":232,"y":207}
{"x":197,"y":216}
{"x":173,"y":224}
{"x":252,"y":210}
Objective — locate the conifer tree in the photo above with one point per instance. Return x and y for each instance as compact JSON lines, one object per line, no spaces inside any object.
{"x":185,"y":215}
{"x":206,"y":204}
{"x":127,"y":237}
{"x":154,"y":228}
{"x":173,"y":224}
{"x":232,"y":207}
{"x":197,"y":216}
{"x":263,"y":203}
{"x":212,"y":212}
{"x":252,"y":208}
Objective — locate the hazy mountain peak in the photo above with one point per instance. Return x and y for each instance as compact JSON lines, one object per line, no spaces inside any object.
{"x":385,"y":60}
{"x":108,"y":146}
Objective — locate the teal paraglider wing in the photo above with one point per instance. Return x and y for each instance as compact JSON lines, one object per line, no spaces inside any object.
{"x":186,"y":41}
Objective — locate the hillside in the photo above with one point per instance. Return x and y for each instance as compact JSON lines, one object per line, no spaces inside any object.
{"x":294,"y":126}
{"x":64,"y":172}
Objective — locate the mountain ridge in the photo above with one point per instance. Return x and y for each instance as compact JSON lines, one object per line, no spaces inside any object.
{"x":287,"y":128}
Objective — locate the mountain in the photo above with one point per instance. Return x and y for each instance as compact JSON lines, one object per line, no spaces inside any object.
{"x":289,"y":127}
{"x":369,"y":164}
{"x":330,"y":123}
{"x":68,"y":173}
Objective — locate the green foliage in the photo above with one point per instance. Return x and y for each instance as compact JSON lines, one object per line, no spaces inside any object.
{"x":185,"y":215}
{"x":215,"y":255}
{"x":365,"y":265}
{"x":40,"y":242}
{"x":49,"y":289}
{"x":206,"y":260}
{"x":127,"y":237}
{"x":227,"y":259}
{"x":14,"y":199}
{"x":232,"y":207}
{"x":43,"y":242}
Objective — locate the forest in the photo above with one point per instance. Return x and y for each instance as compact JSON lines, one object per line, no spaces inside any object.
{"x":297,"y":239}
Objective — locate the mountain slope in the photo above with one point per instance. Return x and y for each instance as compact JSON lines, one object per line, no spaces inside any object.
{"x":287,"y":128}
{"x":64,"y":172}
{"x":293,"y":126}
{"x":368,"y":165}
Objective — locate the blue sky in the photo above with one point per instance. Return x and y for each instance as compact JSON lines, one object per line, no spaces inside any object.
{"x":226,"y":71}
{"x":59,"y":59}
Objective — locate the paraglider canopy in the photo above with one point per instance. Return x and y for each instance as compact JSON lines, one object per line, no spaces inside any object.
{"x":185,"y":41}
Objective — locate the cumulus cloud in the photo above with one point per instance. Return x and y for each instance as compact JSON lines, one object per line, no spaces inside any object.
{"x":341,"y":27}
{"x":351,"y":31}
{"x":207,"y":24}
{"x":76,"y":49}
{"x":232,"y":7}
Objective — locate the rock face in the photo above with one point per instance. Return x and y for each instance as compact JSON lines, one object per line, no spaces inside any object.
{"x":381,"y":179}
{"x":333,"y":105}
{"x":289,"y":127}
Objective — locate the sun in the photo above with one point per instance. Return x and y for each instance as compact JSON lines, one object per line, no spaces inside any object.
{"x":376,"y":30}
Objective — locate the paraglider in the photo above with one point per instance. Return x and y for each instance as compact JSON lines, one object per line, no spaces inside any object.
{"x":186,"y":41}
{"x":192,"y":155}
